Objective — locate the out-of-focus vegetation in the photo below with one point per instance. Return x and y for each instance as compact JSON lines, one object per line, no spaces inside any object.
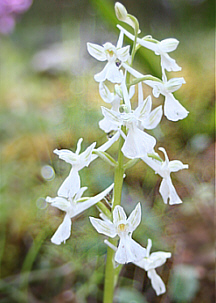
{"x":49,"y":100}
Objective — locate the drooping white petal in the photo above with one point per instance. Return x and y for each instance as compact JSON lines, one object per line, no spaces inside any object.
{"x":104,"y":227}
{"x":176,"y":165}
{"x":119,"y":215}
{"x":169,"y":63}
{"x":137,"y":143}
{"x":154,"y":118}
{"x":96,"y":51}
{"x":63,"y":232}
{"x":168,"y":192}
{"x":129,"y":251}
{"x":102,"y":76}
{"x":157,"y":282}
{"x":135,"y":218}
{"x":173,"y":110}
{"x":71,"y":185}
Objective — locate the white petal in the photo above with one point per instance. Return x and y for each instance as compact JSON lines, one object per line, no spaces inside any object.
{"x":106,"y":125}
{"x":173,"y":110}
{"x":129,"y":251}
{"x":63,"y":232}
{"x":167,"y":191}
{"x":60,"y":203}
{"x":131,"y":91}
{"x":154,"y":118}
{"x":156,"y":282}
{"x":79,"y":146}
{"x":125,"y":95}
{"x":176,"y":165}
{"x":120,"y":40}
{"x":105,"y":94}
{"x":112,"y":116}
{"x":148,"y":248}
{"x":157,"y":259}
{"x":71,"y":185}
{"x":123,"y":53}
{"x":144,"y":108}
{"x":135,"y":217}
{"x":96,"y":51}
{"x":169,"y":63}
{"x":168,"y":45}
{"x":66,"y":155}
{"x":174,"y":84}
{"x":85,"y":157}
{"x":113,"y":74}
{"x":102,"y":76}
{"x":118,"y":215}
{"x":103,"y":227}
{"x":153,"y":163}
{"x":137,"y":143}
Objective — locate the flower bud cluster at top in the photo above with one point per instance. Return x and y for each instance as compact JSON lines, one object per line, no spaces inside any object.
{"x":129,"y":125}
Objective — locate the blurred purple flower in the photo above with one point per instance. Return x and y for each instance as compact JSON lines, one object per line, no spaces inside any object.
{"x":9,"y":10}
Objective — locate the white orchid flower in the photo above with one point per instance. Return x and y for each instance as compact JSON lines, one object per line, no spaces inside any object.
{"x":114,"y":55}
{"x":164,"y":168}
{"x":128,"y":250}
{"x":152,"y":261}
{"x":73,"y":206}
{"x":173,"y":110}
{"x":78,"y":160}
{"x":149,"y":263}
{"x":137,"y":142}
{"x":161,"y":48}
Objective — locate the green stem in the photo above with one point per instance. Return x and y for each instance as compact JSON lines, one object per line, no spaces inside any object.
{"x":110,"y":272}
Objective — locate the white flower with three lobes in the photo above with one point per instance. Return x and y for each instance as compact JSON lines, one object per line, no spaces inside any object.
{"x":128,"y":250}
{"x":164,"y":168}
{"x":161,"y":48}
{"x":78,"y":161}
{"x":73,"y":206}
{"x":137,"y":142}
{"x":114,"y":55}
{"x":152,"y":261}
{"x":173,"y":110}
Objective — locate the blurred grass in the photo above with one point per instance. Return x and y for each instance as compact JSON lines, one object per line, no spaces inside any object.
{"x":41,"y":111}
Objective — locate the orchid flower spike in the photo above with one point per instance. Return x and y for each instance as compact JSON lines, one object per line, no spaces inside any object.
{"x":78,"y":160}
{"x":173,"y":110}
{"x":73,"y":206}
{"x":128,"y":250}
{"x":114,"y":55}
{"x":152,"y":261}
{"x":164,"y":168}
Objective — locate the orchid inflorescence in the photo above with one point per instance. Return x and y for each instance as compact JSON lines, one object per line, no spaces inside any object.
{"x":129,"y":125}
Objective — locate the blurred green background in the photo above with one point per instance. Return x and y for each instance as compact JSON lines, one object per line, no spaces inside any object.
{"x":49,"y":100}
